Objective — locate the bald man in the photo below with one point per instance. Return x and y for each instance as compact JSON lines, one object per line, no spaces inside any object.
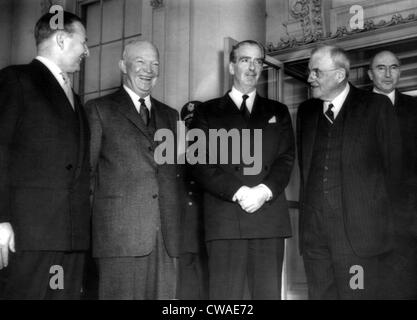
{"x":136,"y":204}
{"x":401,"y":263}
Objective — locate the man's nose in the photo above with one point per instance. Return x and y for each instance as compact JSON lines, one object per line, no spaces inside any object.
{"x":388,"y":72}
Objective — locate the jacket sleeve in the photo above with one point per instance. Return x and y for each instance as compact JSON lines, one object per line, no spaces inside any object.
{"x":212,"y":177}
{"x":96,"y":131}
{"x":11,"y":102}
{"x":281,"y":168}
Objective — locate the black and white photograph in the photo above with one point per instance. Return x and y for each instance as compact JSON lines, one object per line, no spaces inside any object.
{"x":205,"y":151}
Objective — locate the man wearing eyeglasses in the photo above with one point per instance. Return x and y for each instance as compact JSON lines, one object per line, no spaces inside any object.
{"x":349,"y":159}
{"x":246,"y":216}
{"x":401,"y":263}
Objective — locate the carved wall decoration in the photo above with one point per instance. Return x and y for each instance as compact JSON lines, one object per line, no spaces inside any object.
{"x":290,"y":41}
{"x":156,"y":4}
{"x":309,"y":13}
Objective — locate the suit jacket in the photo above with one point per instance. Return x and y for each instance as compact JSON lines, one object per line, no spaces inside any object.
{"x":224,"y":219}
{"x":371,"y":164}
{"x":44,"y":163}
{"x":406,"y":109}
{"x":133,"y":195}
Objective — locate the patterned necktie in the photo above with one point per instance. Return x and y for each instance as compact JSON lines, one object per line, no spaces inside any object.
{"x":244,"y":109}
{"x":143,"y":111}
{"x":329,"y":113}
{"x":68,"y":89}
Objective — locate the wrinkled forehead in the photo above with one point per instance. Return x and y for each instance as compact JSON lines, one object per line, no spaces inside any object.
{"x":142,"y":50}
{"x":321,"y":59}
{"x":385,"y":59}
{"x":249,"y":50}
{"x":78,"y":29}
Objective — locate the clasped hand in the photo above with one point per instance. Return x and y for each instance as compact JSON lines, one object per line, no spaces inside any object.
{"x":6,"y":243}
{"x":251,"y":199}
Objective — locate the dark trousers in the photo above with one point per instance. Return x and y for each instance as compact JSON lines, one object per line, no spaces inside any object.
{"x":32,"y":275}
{"x":139,"y":278}
{"x":330,"y":261}
{"x":399,"y":271}
{"x":245,"y":269}
{"x":193,"y":276}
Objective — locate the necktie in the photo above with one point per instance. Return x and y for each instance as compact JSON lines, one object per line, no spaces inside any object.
{"x":143,"y":111}
{"x":329,"y":113}
{"x":244,"y":109}
{"x":67,"y":88}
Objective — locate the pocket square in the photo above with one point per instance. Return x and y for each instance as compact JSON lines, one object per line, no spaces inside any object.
{"x":273,"y":120}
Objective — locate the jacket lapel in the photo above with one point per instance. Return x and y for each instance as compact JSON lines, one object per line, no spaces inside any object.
{"x":127,"y":109}
{"x":83,"y":134}
{"x":51,"y":88}
{"x":352,"y":122}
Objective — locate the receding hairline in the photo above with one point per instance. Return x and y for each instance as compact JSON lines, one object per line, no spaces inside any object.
{"x":138,"y":43}
{"x":381,"y":53}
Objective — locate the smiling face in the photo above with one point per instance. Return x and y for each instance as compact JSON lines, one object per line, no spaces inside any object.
{"x":140,"y":67}
{"x":385,"y":72}
{"x":247,"y":68}
{"x":74,"y":48}
{"x":325,"y":79}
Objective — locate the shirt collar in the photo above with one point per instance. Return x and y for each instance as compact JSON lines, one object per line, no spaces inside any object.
{"x":135,"y":98}
{"x":53,"y":67}
{"x":236,"y":96}
{"x":337,"y":102}
{"x":390,"y":95}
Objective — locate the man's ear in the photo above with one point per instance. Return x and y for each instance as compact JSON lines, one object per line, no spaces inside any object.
{"x":231,"y":68}
{"x":370,"y":75}
{"x":59,"y":38}
{"x":341,"y":75}
{"x":122,"y":66}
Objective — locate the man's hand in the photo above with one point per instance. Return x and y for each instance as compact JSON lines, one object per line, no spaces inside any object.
{"x":255,"y":198}
{"x":6,"y":243}
{"x":241,"y":193}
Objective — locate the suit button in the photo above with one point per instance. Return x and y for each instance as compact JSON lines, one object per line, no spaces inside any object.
{"x":69,"y":167}
{"x":326,"y":168}
{"x":190,"y":193}
{"x":192,"y":182}
{"x":190,"y":203}
{"x":325,"y":180}
{"x":155,"y":196}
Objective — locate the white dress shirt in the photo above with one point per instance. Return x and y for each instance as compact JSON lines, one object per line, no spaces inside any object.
{"x":337,"y":102}
{"x":135,"y":99}
{"x":236,"y":96}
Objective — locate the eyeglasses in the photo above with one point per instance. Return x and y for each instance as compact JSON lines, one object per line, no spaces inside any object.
{"x":258,"y":62}
{"x":317,"y":73}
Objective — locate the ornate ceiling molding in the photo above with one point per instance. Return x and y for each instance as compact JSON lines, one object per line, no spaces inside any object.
{"x":290,"y":42}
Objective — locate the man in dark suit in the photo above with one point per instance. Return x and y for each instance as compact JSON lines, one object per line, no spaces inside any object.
{"x":401,"y":263}
{"x":246,"y":213}
{"x":193,"y":268}
{"x":349,"y":156}
{"x":137,"y":200}
{"x":44,"y":169}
